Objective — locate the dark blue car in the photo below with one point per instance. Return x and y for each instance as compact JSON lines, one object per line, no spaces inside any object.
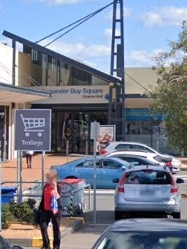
{"x":144,"y":234}
{"x":5,"y":245}
{"x":106,"y":168}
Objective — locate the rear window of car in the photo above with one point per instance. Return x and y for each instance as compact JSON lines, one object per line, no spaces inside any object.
{"x":124,"y":147}
{"x":148,"y":177}
{"x":158,"y":158}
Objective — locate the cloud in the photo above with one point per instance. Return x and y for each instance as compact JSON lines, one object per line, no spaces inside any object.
{"x":141,"y":58}
{"x":165,"y":16}
{"x":98,"y":55}
{"x":60,"y":2}
{"x":108,"y":33}
{"x":79,"y":50}
{"x":126,"y":13}
{"x":94,"y":55}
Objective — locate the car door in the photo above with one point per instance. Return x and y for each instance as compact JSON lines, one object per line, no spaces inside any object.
{"x":111,"y":168}
{"x":85,"y":170}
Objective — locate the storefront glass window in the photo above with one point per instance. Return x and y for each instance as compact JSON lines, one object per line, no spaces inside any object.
{"x":143,"y":127}
{"x":48,"y":71}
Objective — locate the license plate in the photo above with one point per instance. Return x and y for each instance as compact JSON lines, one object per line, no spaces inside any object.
{"x":147,"y":192}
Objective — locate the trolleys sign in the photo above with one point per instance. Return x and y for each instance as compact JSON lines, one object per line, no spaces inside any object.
{"x":33,"y":130}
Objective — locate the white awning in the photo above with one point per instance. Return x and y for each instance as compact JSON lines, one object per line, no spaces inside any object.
{"x":15,"y":94}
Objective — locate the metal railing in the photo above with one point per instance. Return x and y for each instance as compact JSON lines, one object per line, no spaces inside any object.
{"x":76,"y":155}
{"x":69,"y":197}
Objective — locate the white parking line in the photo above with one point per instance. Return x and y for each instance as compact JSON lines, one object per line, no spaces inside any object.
{"x":180,"y":176}
{"x":103,"y":191}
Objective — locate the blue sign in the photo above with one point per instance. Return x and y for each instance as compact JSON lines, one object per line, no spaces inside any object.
{"x":141,"y":114}
{"x":33,"y":130}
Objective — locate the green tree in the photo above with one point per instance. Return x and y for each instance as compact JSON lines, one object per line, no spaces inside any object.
{"x":170,"y":94}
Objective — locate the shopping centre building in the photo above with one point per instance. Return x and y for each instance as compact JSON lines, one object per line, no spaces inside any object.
{"x":76,"y":93}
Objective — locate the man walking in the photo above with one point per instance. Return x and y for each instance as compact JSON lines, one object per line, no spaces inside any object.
{"x":29,"y":155}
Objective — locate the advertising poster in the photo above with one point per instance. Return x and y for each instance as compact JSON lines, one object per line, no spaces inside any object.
{"x":107,"y":134}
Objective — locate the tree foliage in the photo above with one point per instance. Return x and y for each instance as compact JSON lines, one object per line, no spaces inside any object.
{"x":170,"y":94}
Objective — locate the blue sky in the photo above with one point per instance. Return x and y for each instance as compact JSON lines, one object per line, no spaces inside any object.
{"x":149,"y":25}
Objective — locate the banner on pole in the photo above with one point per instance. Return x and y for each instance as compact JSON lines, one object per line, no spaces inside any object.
{"x":107,"y":134}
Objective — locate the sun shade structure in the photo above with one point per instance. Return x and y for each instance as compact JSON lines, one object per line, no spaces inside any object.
{"x":10,"y":93}
{"x":63,"y":58}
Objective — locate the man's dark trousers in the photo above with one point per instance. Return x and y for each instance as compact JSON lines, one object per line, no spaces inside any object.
{"x":46,"y":217}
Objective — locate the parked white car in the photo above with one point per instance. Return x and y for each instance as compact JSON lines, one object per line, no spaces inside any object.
{"x":157,"y":159}
{"x":133,"y":146}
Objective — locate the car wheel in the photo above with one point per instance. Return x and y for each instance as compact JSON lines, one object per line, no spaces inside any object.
{"x":117,"y":215}
{"x":176,"y":215}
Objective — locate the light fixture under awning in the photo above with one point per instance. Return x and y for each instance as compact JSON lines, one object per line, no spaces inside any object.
{"x":10,"y":93}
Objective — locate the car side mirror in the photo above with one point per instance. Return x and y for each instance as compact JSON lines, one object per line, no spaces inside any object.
{"x":179,"y":180}
{"x":115,"y":180}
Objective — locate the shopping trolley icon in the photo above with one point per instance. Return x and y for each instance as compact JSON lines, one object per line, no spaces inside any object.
{"x":33,"y":125}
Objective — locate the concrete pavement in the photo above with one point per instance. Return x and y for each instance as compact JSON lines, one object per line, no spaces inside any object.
{"x":9,"y":168}
{"x":85,"y":238}
{"x":88,"y":234}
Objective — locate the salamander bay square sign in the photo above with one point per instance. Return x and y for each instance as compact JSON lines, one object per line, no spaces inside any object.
{"x":76,"y":94}
{"x":33,"y":130}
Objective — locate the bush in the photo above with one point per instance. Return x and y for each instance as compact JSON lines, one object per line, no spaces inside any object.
{"x":23,"y":212}
{"x":7,"y":216}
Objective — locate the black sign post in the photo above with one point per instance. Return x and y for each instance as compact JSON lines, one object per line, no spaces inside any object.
{"x":32,"y":132}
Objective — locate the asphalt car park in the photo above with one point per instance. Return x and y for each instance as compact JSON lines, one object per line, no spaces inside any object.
{"x":87,"y":236}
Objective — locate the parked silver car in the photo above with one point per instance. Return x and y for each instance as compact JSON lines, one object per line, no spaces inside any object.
{"x":128,"y":146}
{"x":147,"y":189}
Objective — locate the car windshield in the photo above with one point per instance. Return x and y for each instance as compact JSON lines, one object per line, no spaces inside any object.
{"x":148,"y":176}
{"x":152,"y":240}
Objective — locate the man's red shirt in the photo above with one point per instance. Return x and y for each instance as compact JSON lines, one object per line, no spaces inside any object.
{"x":48,"y":194}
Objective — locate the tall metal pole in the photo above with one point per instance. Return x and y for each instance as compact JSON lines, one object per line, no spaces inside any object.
{"x":94,"y":136}
{"x":18,"y":167}
{"x":117,"y":66}
{"x":122,"y":69}
{"x":43,"y":168}
{"x":13,"y":62}
{"x":20,"y":178}
{"x":0,"y":196}
{"x":95,"y":179}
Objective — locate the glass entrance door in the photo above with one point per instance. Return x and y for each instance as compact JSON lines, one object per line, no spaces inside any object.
{"x":72,"y":129}
{"x":4,"y":135}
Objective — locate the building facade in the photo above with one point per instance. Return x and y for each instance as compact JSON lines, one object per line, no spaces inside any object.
{"x":14,"y":94}
{"x":79,"y":95}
